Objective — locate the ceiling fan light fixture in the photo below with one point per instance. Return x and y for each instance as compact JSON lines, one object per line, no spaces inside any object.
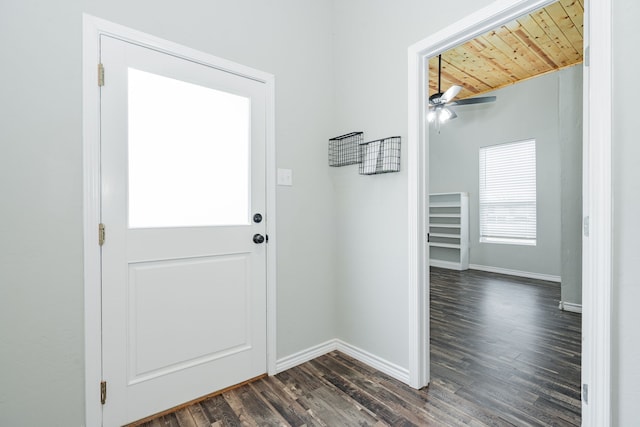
{"x":444,"y":115}
{"x":438,"y":112}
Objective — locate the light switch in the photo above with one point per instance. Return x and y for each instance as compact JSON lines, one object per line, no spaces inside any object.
{"x":285,"y":177}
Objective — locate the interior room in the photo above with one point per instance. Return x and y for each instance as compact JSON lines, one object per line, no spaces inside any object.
{"x":546,"y":108}
{"x":338,"y":252}
{"x":526,"y":104}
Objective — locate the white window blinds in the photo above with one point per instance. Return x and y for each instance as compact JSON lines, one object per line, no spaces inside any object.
{"x":508,"y":193}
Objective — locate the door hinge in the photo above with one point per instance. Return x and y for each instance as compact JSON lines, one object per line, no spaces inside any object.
{"x":586,"y":226}
{"x":428,"y":237}
{"x":100,"y":75}
{"x":103,"y":392}
{"x":585,"y":393}
{"x":101,"y":234}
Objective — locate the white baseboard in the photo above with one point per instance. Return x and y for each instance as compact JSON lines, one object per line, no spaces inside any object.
{"x":305,"y":355}
{"x":445,"y":264}
{"x":382,"y":365}
{"x":569,"y":306}
{"x":519,"y":273}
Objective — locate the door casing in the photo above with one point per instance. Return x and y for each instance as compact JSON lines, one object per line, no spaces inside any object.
{"x":92,"y":29}
{"x":597,"y":192}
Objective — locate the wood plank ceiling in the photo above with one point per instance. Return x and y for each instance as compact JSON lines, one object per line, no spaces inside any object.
{"x":542,"y":42}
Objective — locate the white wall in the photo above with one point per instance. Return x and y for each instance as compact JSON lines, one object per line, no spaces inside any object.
{"x":528,"y":110}
{"x":41,"y":265}
{"x":626,"y":210}
{"x":549,"y":110}
{"x":570,"y":139}
{"x":371,"y":41}
{"x":41,"y":296}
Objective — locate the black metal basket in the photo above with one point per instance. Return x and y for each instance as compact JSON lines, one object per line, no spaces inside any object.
{"x":380,"y":156}
{"x":343,"y":150}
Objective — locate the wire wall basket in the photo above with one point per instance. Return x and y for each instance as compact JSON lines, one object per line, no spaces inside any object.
{"x":344,"y":149}
{"x":380,"y":156}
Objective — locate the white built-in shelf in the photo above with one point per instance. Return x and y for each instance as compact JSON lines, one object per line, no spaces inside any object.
{"x":445,"y":235}
{"x":445,"y":205}
{"x":443,"y":225}
{"x":449,"y":215}
{"x":444,"y":245}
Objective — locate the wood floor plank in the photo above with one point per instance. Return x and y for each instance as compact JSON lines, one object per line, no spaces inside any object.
{"x":335,"y":410}
{"x":365,"y":400}
{"x":252,"y":409}
{"x":420,"y":408}
{"x":502,"y":354}
{"x":158,"y":422}
{"x":288,"y":408}
{"x":408,"y":411}
{"x":185,"y":419}
{"x":218,"y":410}
{"x":198,"y":415}
{"x":298,"y":381}
{"x":481,"y":415}
{"x":559,"y":410}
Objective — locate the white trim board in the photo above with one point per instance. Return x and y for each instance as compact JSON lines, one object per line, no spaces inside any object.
{"x":382,"y":365}
{"x":597,"y":206}
{"x":597,"y":192}
{"x":519,"y":273}
{"x":92,"y":29}
{"x":305,"y":355}
{"x":369,"y":359}
{"x":450,"y":265}
{"x":569,"y":306}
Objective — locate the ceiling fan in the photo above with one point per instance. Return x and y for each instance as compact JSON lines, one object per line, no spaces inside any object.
{"x":439,"y":102}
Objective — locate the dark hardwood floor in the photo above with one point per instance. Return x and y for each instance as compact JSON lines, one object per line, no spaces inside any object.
{"x":502,"y":354}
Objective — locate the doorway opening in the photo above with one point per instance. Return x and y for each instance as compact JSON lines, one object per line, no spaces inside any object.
{"x":596,"y":240}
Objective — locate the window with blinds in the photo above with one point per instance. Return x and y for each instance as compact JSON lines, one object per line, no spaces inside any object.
{"x":508,"y":193}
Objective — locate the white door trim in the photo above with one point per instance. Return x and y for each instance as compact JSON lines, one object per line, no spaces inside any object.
{"x":597,"y":255}
{"x":92,"y":29}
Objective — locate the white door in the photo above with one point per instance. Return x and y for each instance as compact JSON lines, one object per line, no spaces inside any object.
{"x":183,"y":282}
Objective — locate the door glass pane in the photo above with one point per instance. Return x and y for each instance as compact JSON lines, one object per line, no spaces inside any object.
{"x":188,"y":154}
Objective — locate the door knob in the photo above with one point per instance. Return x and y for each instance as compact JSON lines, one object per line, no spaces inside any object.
{"x":258,"y":238}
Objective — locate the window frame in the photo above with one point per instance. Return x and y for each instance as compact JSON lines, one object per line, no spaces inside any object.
{"x":520,"y":206}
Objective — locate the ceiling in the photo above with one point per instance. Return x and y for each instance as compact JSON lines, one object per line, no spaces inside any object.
{"x":542,"y":42}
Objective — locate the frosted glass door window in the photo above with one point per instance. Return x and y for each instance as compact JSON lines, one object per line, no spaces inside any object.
{"x":189,"y":156}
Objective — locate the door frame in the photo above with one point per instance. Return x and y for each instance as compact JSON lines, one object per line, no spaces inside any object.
{"x":93,"y":28}
{"x":597,"y":193}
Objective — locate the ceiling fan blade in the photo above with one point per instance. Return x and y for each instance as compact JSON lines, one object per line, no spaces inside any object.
{"x":478,"y":100}
{"x":450,"y":93}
